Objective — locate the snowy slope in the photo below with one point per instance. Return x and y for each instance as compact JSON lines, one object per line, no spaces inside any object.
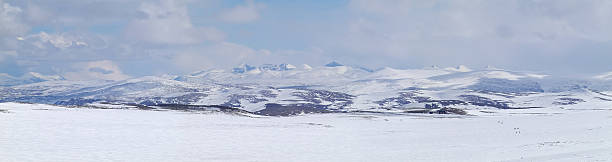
{"x":604,"y":76}
{"x":70,"y":134}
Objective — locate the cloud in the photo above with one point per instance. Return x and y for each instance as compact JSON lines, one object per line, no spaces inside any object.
{"x":482,"y":19}
{"x":474,"y":32}
{"x":61,"y":41}
{"x":168,"y":22}
{"x":10,"y":21}
{"x":104,"y":69}
{"x":11,"y":26}
{"x":78,"y":13}
{"x":66,"y":46}
{"x":223,"y":54}
{"x":187,"y":35}
{"x":243,"y":13}
{"x":52,"y":53}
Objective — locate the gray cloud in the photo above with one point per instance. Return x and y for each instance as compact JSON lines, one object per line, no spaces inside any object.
{"x":10,"y":20}
{"x":11,"y":26}
{"x":168,"y":22}
{"x":243,"y":13}
{"x":477,"y":32}
{"x":77,"y":13}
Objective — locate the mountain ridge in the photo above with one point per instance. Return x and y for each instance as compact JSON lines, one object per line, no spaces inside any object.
{"x":286,"y":88}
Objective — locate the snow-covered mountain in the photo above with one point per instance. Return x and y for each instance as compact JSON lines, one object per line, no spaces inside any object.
{"x":604,"y":76}
{"x":285,"y":89}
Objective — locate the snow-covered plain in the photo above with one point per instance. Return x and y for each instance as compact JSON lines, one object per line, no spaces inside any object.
{"x":34,"y":132}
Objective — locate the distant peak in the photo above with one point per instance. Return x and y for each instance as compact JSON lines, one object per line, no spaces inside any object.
{"x":243,"y":68}
{"x":333,"y":64}
{"x":432,"y":67}
{"x":460,"y":68}
{"x":287,"y":66}
{"x":273,"y":67}
{"x":489,"y":67}
{"x":604,"y":76}
{"x":463,"y":68}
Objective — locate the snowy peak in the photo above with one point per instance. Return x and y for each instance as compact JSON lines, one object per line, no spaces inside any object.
{"x":245,"y":68}
{"x":604,"y":76}
{"x":287,"y":67}
{"x":460,"y":68}
{"x":334,"y":87}
{"x":306,"y":67}
{"x":280,"y":67}
{"x":432,"y":67}
{"x":333,"y":64}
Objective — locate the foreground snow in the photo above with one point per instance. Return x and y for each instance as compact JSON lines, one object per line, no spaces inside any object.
{"x":49,"y":133}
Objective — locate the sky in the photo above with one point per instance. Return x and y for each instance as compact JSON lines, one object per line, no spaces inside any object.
{"x":118,"y":39}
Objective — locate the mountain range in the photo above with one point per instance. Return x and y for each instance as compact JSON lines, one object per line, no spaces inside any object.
{"x":285,"y":89}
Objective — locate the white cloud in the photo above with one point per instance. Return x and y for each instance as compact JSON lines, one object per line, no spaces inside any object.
{"x":397,"y":33}
{"x":226,"y":55}
{"x":223,"y":54}
{"x":474,"y":32}
{"x":78,"y":13}
{"x":61,"y":41}
{"x":62,"y":47}
{"x":64,"y":40}
{"x":10,"y":23}
{"x":104,"y":69}
{"x":168,"y":22}
{"x":11,"y":26}
{"x":243,"y":13}
{"x":483,"y":19}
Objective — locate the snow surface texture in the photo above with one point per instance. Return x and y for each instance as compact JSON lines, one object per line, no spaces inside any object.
{"x":35,"y":132}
